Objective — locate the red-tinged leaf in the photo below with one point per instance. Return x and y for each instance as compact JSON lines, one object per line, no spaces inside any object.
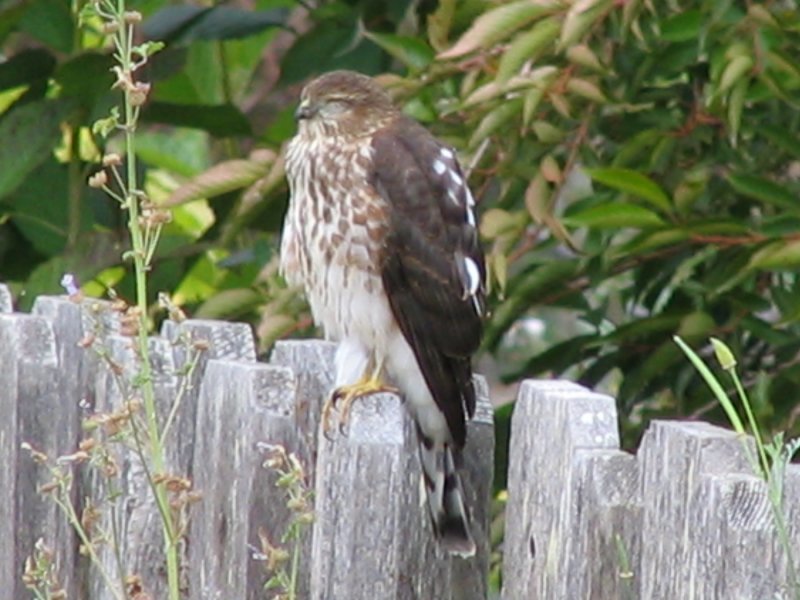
{"x":614,"y":215}
{"x":497,"y":221}
{"x":580,"y":17}
{"x":221,"y":178}
{"x":537,"y":199}
{"x":550,"y":169}
{"x":584,"y":56}
{"x":498,"y":24}
{"x":586,"y":89}
{"x":781,"y":254}
{"x":634,"y":183}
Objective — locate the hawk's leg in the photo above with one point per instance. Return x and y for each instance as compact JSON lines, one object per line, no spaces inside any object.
{"x":369,"y":384}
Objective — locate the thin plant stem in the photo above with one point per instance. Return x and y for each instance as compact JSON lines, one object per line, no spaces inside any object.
{"x":145,"y":376}
{"x":185,"y":382}
{"x":751,"y":420}
{"x":295,"y":568}
{"x":72,"y":517}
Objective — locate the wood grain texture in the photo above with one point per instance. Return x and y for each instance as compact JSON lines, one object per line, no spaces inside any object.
{"x":241,"y":405}
{"x":6,"y":300}
{"x":552,"y":422}
{"x":372,"y":535}
{"x":33,"y":412}
{"x":312,"y":363}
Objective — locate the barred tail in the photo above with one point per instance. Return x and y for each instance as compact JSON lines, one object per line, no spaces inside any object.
{"x":446,"y":504}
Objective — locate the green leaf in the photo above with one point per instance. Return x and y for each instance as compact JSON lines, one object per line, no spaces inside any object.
{"x":222,"y":120}
{"x":26,"y":67}
{"x":559,"y":357}
{"x":185,"y":23}
{"x":736,"y":101}
{"x":760,"y":188}
{"x":37,"y":123}
{"x":228,"y":304}
{"x":495,"y":119}
{"x":439,"y":23}
{"x":10,"y":17}
{"x":328,"y":47}
{"x":40,"y":209}
{"x":547,"y":132}
{"x":86,"y":77}
{"x":650,"y":240}
{"x":780,"y":225}
{"x":782,"y":137}
{"x":50,"y":22}
{"x":185,"y":152}
{"x":734,"y":71}
{"x":527,"y":46}
{"x":412,"y":52}
{"x":613,"y":215}
{"x":682,"y":27}
{"x":632,"y":182}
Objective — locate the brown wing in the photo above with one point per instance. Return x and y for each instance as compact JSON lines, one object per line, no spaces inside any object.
{"x":433,"y":268}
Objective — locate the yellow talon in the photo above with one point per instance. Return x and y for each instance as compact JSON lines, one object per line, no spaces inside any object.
{"x":348,"y":394}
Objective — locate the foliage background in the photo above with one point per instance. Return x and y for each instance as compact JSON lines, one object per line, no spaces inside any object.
{"x":637,"y":167}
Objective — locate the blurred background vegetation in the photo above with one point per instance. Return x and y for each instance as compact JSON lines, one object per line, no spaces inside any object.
{"x":636,"y":163}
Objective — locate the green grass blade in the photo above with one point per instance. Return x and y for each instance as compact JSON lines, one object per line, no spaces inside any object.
{"x":714,"y":384}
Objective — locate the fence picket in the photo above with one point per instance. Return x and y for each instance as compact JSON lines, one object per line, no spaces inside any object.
{"x":683,"y":518}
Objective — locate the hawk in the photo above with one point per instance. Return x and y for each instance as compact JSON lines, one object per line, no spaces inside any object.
{"x":381,"y":234}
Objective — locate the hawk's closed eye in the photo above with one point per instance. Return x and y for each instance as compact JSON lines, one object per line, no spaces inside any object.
{"x":333,"y":107}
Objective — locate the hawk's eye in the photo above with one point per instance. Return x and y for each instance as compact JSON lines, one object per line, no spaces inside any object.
{"x":334,"y":106}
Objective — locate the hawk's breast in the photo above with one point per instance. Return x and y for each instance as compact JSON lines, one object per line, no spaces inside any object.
{"x":333,"y":237}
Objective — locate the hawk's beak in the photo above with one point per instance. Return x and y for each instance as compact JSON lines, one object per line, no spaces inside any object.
{"x":304,"y":111}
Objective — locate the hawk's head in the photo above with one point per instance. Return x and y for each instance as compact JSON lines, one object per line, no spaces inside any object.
{"x":343,"y":102}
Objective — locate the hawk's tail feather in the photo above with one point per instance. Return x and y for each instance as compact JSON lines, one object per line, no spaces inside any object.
{"x":446,"y":505}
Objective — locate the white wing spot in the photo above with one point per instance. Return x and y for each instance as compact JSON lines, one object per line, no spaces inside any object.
{"x":470,"y":217}
{"x":454,"y":197}
{"x":456,"y":178}
{"x":470,"y":199}
{"x":474,"y":275}
{"x":439,"y":167}
{"x":447,"y":153}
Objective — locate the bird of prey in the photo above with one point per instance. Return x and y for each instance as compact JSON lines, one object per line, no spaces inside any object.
{"x":381,"y":234}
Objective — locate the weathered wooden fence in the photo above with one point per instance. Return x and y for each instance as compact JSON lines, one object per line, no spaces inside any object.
{"x":684,"y":518}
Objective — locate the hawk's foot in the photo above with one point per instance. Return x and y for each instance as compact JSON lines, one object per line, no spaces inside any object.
{"x":347,"y":395}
